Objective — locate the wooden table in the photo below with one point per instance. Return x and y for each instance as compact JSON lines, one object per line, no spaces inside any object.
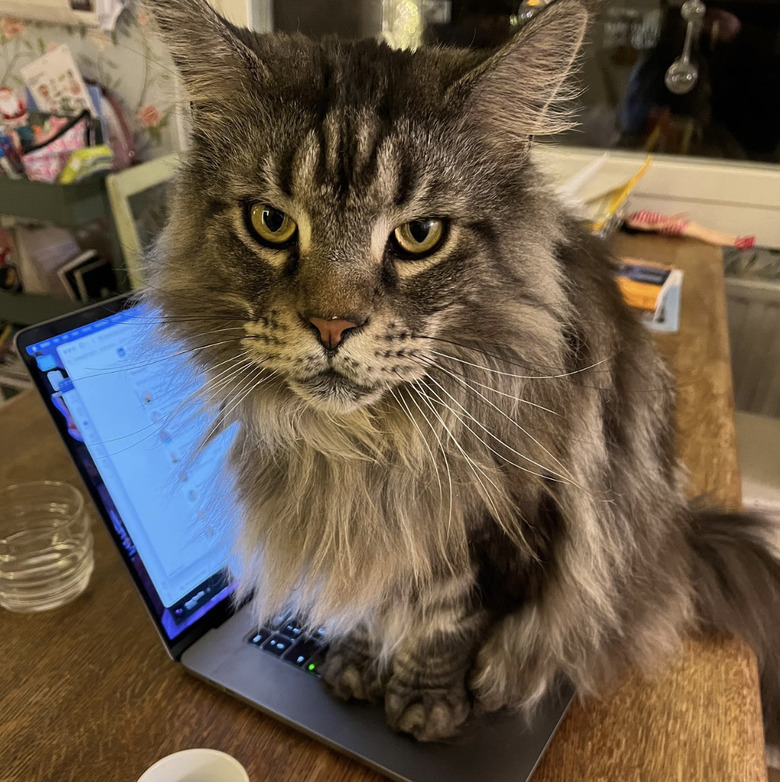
{"x":88,"y":693}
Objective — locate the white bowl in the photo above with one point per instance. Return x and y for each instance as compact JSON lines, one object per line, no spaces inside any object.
{"x":196,"y":765}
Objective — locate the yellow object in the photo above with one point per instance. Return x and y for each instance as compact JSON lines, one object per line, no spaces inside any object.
{"x":642,"y":283}
{"x":639,"y":295}
{"x":612,"y":202}
{"x":84,"y":162}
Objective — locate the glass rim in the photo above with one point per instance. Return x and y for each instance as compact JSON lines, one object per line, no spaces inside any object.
{"x":7,"y":491}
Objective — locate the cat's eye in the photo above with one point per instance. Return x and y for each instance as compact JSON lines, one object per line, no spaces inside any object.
{"x":419,"y":237}
{"x":269,"y":225}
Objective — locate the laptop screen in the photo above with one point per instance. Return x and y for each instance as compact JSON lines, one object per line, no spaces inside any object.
{"x":124,"y":410}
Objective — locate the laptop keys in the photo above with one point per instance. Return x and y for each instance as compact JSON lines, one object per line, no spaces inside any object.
{"x":291,"y":629}
{"x":285,"y":638}
{"x":260,"y":637}
{"x":301,"y":652}
{"x":277,"y":644}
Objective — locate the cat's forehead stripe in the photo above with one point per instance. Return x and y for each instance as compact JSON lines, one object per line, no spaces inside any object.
{"x":349,"y":146}
{"x":304,"y":164}
{"x":351,"y":150}
{"x":349,"y":155}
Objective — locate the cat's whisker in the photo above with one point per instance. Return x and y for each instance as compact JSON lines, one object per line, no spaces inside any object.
{"x":233,"y":363}
{"x":170,"y":418}
{"x":237,"y":377}
{"x":194,"y":295}
{"x":212,"y":388}
{"x":144,"y":364}
{"x":475,"y":468}
{"x":206,"y":389}
{"x":547,"y":474}
{"x":519,"y":362}
{"x":173,"y":425}
{"x":239,"y":382}
{"x":468,"y":384}
{"x":258,"y":381}
{"x":204,"y":334}
{"x":530,"y":436}
{"x":217,"y":331}
{"x":247,"y":386}
{"x":217,"y":394}
{"x":254,"y":380}
{"x":230,"y":360}
{"x":411,"y":417}
{"x":522,"y":377}
{"x":513,"y":530}
{"x":443,"y":453}
{"x":154,"y":319}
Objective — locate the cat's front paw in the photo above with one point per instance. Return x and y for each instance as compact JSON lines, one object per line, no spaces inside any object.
{"x":431,"y":714}
{"x":350,"y":673}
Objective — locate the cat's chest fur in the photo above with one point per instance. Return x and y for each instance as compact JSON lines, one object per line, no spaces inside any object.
{"x":347,"y":528}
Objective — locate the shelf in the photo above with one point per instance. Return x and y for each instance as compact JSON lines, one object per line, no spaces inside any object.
{"x":69,"y":206}
{"x":24,"y":309}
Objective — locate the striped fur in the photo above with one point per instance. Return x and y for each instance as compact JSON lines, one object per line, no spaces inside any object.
{"x":482,"y":496}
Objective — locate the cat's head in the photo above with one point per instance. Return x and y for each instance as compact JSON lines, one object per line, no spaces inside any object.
{"x":346,"y":210}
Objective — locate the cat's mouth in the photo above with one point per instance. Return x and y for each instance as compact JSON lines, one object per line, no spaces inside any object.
{"x":330,"y":379}
{"x":331,"y":388}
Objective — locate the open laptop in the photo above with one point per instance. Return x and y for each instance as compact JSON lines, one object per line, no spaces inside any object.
{"x":117,"y":403}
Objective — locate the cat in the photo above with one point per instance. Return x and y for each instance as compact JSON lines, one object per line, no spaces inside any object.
{"x":455,"y":444}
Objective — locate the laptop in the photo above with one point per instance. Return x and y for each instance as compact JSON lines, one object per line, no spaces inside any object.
{"x":119,"y":403}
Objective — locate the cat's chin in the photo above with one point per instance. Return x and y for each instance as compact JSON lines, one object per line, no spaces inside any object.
{"x":334,"y":394}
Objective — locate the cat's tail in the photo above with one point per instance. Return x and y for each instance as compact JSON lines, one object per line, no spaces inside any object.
{"x":736,"y":573}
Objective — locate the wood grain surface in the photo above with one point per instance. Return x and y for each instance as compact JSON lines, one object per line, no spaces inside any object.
{"x":88,"y":693}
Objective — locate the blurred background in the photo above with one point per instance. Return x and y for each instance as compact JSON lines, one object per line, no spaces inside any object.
{"x":732,"y":111}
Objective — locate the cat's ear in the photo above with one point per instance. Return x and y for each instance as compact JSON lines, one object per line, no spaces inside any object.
{"x":207,"y":50}
{"x":522,"y":89}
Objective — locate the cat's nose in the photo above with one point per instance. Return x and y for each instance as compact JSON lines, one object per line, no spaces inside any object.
{"x":332,"y":331}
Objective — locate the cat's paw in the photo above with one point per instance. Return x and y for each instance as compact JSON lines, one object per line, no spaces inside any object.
{"x":489,"y":684}
{"x":431,"y":714}
{"x":349,"y":674}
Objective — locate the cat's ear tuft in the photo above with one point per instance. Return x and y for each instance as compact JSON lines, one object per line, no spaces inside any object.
{"x":207,"y":50}
{"x":523,"y":90}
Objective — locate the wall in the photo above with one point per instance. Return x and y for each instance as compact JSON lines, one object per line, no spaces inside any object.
{"x":130,"y":62}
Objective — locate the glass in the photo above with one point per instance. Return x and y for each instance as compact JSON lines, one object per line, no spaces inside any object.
{"x":694,"y":78}
{"x":46,"y":546}
{"x":657,"y":75}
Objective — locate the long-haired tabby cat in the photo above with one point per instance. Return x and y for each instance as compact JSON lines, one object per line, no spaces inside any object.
{"x":455,"y":444}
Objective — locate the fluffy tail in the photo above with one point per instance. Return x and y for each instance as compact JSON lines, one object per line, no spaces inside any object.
{"x":737,"y":582}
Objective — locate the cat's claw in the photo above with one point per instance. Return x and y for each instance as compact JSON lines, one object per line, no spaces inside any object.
{"x":428,"y":715}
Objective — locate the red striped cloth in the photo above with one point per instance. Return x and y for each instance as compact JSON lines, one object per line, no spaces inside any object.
{"x":677,"y":226}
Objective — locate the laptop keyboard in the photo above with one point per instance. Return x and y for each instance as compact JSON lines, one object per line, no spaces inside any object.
{"x":284,"y":638}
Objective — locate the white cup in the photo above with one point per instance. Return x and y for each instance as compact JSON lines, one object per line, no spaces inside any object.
{"x":196,"y":765}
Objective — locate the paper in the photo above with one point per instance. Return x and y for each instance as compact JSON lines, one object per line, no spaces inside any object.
{"x":56,"y":84}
